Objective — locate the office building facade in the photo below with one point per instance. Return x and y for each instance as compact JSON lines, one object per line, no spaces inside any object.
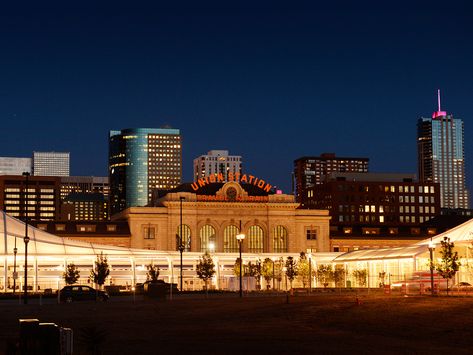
{"x":51,"y":163}
{"x":14,"y":166}
{"x":441,"y":157}
{"x":42,"y":199}
{"x":217,"y":162}
{"x":310,"y":171}
{"x":85,"y":184}
{"x":140,"y":160}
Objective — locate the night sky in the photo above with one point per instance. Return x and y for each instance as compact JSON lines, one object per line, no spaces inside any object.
{"x":266,"y":80}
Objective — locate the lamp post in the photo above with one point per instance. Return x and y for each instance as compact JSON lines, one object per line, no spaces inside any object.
{"x":431,"y":252}
{"x":15,"y":275}
{"x":181,"y":244}
{"x":240,"y":237}
{"x":310,"y":273}
{"x":26,"y":239}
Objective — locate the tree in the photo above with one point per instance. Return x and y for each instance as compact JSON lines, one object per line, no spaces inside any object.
{"x":279,"y":271}
{"x":205,"y":268}
{"x":267,"y":269}
{"x":152,"y":273}
{"x":291,"y":269}
{"x":324,"y":274}
{"x":381,"y":277}
{"x":71,"y":275}
{"x":303,"y":272}
{"x":254,"y":270}
{"x":100,"y":271}
{"x":449,"y":264}
{"x":360,"y":277}
{"x":339,"y":275}
{"x":236,"y":267}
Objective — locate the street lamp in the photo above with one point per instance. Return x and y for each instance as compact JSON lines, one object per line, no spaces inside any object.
{"x":181,"y":244}
{"x":26,"y":239}
{"x":431,"y":252}
{"x":240,"y":237}
{"x":15,"y":275}
{"x":310,"y":272}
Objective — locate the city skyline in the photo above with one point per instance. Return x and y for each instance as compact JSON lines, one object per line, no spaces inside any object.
{"x":271,"y":84}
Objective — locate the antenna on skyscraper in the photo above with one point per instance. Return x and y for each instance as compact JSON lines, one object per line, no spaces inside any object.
{"x":438,"y":98}
{"x":439,"y":113}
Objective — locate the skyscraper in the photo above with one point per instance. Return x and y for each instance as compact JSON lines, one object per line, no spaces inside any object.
{"x":216,"y":162}
{"x":140,"y":160}
{"x":14,"y":166}
{"x":309,"y":171}
{"x":51,"y":163}
{"x":441,"y":156}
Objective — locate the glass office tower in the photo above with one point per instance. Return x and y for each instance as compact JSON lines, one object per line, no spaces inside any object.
{"x":441,"y":157}
{"x":140,"y":160}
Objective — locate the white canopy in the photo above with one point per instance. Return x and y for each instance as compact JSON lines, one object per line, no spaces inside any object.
{"x":462,"y":234}
{"x":45,"y":244}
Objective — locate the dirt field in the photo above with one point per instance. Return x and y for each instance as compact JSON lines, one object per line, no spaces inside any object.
{"x":319,"y":324}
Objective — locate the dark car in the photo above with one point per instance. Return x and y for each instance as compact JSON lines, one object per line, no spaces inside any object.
{"x":82,"y":293}
{"x":142,"y":287}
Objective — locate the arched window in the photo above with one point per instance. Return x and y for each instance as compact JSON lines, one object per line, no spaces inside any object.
{"x":207,"y":238}
{"x":255,"y":239}
{"x":186,"y":237}
{"x":230,"y":243}
{"x":279,"y":239}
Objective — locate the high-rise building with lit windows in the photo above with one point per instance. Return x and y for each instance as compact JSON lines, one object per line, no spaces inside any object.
{"x":140,"y":160}
{"x":51,"y":163}
{"x":216,"y":162}
{"x":441,"y":156}
{"x":41,"y":197}
{"x":311,"y":171}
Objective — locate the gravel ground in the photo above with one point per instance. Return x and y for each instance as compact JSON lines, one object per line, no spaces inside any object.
{"x":317,"y":324}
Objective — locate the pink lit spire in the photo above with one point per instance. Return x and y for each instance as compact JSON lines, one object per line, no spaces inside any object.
{"x":439,"y":113}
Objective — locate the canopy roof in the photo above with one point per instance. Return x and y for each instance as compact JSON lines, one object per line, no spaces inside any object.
{"x":384,"y":253}
{"x":44,"y":243}
{"x":460,"y":235}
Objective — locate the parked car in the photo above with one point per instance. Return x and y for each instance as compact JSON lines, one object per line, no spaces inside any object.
{"x":75,"y":293}
{"x":461,"y":286}
{"x":141,"y":287}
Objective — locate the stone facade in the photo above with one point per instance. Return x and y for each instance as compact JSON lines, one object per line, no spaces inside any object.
{"x":157,"y":227}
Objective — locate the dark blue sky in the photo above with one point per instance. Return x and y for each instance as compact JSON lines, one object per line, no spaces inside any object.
{"x":269,"y":82}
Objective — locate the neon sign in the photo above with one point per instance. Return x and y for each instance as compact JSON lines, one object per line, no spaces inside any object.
{"x":236,"y":177}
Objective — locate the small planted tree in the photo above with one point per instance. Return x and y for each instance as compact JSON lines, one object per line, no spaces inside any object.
{"x":303,"y":272}
{"x":449,"y":264}
{"x":236,"y":267}
{"x":205,"y":269}
{"x":291,"y":269}
{"x":381,"y":277}
{"x":324,"y":274}
{"x":360,"y":277}
{"x":267,"y":271}
{"x":100,"y":271}
{"x":339,"y":275}
{"x":71,"y":275}
{"x":254,"y":270}
{"x":278,"y":271}
{"x":152,"y":273}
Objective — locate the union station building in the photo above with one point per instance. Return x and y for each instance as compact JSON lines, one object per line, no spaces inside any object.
{"x":212,"y":215}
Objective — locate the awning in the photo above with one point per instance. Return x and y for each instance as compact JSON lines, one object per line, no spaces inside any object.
{"x":381,"y":254}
